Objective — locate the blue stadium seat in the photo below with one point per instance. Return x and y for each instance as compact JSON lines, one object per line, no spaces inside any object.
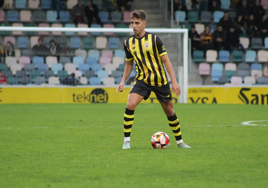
{"x":3,"y":67}
{"x":94,"y":81}
{"x":64,"y":16}
{"x":69,"y":25}
{"x":250,"y":56}
{"x":56,"y":67}
{"x":20,"y":4}
{"x":91,"y":60}
{"x":102,"y":74}
{"x":13,"y":81}
{"x":224,"y":56}
{"x":256,"y":66}
{"x":42,"y":68}
{"x":64,"y":60}
{"x":62,"y":74}
{"x":96,"y":67}
{"x":34,"y":73}
{"x":77,"y":60}
{"x":192,"y":16}
{"x":12,"y":15}
{"x":180,"y":16}
{"x":118,"y":80}
{"x":95,"y":26}
{"x":266,"y":43}
{"x":216,"y":71}
{"x":217,"y":15}
{"x":75,"y":42}
{"x":119,"y":53}
{"x":23,"y":42}
{"x":237,"y":56}
{"x":198,"y":56}
{"x":94,"y":53}
{"x":46,"y":4}
{"x":37,"y":60}
{"x":225,"y":4}
{"x":114,"y":42}
{"x":38,"y":16}
{"x":83,"y":67}
{"x":116,"y":16}
{"x":88,"y":43}
{"x":104,"y":16}
{"x":51,"y":16}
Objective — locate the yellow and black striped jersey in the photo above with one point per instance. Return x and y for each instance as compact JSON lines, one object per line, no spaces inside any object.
{"x":146,"y":53}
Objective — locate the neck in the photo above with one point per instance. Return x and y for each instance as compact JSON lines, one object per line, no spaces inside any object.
{"x":141,"y":34}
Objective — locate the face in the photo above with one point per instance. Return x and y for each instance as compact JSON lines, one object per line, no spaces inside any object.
{"x":219,"y":28}
{"x":257,"y":2}
{"x":52,"y":43}
{"x":40,"y":42}
{"x":8,"y":45}
{"x":232,"y":29}
{"x":244,"y":2}
{"x":80,"y":3}
{"x":207,"y":29}
{"x":138,"y":25}
{"x":88,"y":3}
{"x":225,"y":15}
{"x":251,"y":17}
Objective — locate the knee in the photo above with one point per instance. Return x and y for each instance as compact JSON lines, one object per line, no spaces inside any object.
{"x":131,"y":105}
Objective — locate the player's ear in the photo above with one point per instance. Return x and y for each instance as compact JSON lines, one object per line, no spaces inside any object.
{"x":144,"y":23}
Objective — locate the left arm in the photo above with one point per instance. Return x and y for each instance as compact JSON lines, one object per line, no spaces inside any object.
{"x":164,"y":57}
{"x":168,"y":65}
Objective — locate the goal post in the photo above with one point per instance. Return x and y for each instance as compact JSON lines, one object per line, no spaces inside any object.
{"x":180,"y":68}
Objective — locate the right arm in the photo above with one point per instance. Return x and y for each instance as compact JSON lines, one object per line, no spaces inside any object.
{"x":127,"y":71}
{"x":128,"y":68}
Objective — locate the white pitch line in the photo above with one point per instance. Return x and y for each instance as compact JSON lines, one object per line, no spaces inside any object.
{"x":251,"y":123}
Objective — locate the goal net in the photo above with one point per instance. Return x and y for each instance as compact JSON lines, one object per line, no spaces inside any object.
{"x":47,"y":56}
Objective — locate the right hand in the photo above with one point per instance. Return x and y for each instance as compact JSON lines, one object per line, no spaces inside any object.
{"x":120,"y":87}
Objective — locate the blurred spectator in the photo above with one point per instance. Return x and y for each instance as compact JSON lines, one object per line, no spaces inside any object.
{"x":265,"y":71}
{"x":199,"y":5}
{"x":263,"y":27}
{"x":70,"y":80}
{"x":92,"y":13}
{"x":40,"y":49}
{"x":3,"y":79}
{"x":2,"y":3}
{"x":240,"y":24}
{"x":58,"y":5}
{"x":252,"y":29}
{"x":124,"y":5}
{"x":206,"y":39}
{"x":225,"y":22}
{"x":219,"y":38}
{"x":258,"y":11}
{"x":214,"y":5}
{"x":54,"y":48}
{"x":2,"y":53}
{"x":9,"y":49}
{"x":232,"y":40}
{"x":78,"y":13}
{"x":244,"y":10}
{"x":195,"y":38}
{"x":178,"y":6}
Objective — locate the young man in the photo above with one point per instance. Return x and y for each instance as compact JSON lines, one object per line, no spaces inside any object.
{"x":149,"y":54}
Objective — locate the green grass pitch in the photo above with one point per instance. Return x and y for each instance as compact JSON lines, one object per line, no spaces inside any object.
{"x":80,"y":145}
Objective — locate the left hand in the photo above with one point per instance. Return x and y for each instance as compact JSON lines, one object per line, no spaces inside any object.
{"x":176,"y":88}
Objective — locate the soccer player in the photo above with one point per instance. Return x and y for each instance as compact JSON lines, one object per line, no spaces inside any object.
{"x":149,"y":54}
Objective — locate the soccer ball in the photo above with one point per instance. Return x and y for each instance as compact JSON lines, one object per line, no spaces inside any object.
{"x":160,"y":140}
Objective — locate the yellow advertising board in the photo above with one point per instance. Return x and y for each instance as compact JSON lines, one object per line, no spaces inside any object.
{"x":228,"y":95}
{"x":17,"y":95}
{"x":207,"y":95}
{"x":197,"y":95}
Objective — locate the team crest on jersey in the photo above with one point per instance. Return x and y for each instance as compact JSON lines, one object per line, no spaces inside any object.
{"x":146,"y":45}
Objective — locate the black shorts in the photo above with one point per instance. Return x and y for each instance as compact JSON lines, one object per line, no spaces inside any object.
{"x":162,"y":93}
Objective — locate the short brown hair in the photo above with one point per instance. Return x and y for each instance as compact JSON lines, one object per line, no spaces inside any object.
{"x":139,"y":14}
